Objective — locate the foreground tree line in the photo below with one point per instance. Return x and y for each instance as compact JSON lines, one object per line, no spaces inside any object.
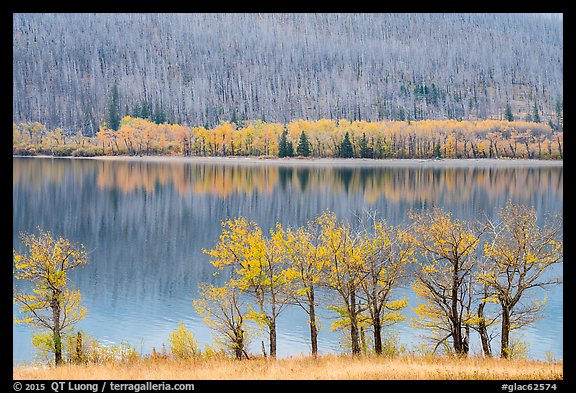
{"x":322,"y":138}
{"x":470,"y":276}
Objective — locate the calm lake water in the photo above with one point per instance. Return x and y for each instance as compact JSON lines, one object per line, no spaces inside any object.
{"x":146,"y":224}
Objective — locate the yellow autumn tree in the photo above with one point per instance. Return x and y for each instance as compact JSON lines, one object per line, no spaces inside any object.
{"x":50,"y":306}
{"x":224,"y":312}
{"x":307,"y":258}
{"x":344,"y":274}
{"x":259,"y":269}
{"x":386,"y":252}
{"x":447,"y":249}
{"x":520,"y":253}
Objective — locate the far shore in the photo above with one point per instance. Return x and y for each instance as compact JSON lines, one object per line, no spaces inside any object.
{"x":333,"y":162}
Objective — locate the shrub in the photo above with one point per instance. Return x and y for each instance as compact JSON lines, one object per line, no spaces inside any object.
{"x":87,"y":151}
{"x":24,"y":149}
{"x":391,"y":346}
{"x":62,"y":151}
{"x":183,"y":344}
{"x":214,"y":352}
{"x":518,"y":348}
{"x":120,"y":353}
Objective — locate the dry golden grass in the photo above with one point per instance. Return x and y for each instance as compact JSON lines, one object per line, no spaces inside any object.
{"x":305,"y":367}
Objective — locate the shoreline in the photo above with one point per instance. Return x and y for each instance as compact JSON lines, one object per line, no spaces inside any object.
{"x":331,"y":162}
{"x":305,"y":367}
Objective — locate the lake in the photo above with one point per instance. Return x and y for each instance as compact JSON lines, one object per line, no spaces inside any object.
{"x":146,"y":222}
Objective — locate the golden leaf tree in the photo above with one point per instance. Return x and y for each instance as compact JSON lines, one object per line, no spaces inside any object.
{"x":224,"y":312}
{"x":344,"y":273}
{"x":259,"y":269}
{"x":447,"y":247}
{"x":50,"y":305}
{"x":386,"y":252}
{"x":520,"y":253}
{"x":307,"y":258}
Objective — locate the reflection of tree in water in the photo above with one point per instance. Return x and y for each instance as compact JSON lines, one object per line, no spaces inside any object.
{"x":284,"y":177}
{"x":366,"y":176}
{"x":146,"y":225}
{"x":345,"y":176}
{"x":303,"y":174}
{"x":396,"y":184}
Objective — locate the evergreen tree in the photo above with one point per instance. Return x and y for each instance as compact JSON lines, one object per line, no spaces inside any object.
{"x":346,"y":150}
{"x":303,"y":148}
{"x":536,"y":116}
{"x":144,"y":110}
{"x":508,"y":113}
{"x":365,"y":150}
{"x":289,"y":149}
{"x":437,"y":152}
{"x":113,"y":109}
{"x":283,"y":144}
{"x":158,"y":116}
{"x":558,"y":112}
{"x":135,"y":110}
{"x":234,"y":117}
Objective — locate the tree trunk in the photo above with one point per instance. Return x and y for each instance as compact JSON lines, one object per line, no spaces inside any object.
{"x":456,"y":325}
{"x":483,"y":331}
{"x":377,"y":335}
{"x":239,"y":344}
{"x":527,"y":149}
{"x":559,"y":147}
{"x":539,"y":149}
{"x":57,"y":337}
{"x":273,"y":340}
{"x":354,"y":335}
{"x":513,"y":150}
{"x":505,"y":334}
{"x":313,"y":327}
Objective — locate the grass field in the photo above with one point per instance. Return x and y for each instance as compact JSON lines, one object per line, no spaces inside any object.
{"x":305,"y":367}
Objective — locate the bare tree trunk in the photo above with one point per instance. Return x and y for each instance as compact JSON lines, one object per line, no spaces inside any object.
{"x":273,"y":340}
{"x":57,"y":336}
{"x":354,"y":335}
{"x":377,"y":335}
{"x":559,"y":146}
{"x":313,"y":327}
{"x":505,"y":333}
{"x":513,"y":149}
{"x":539,"y":149}
{"x":264,"y":350}
{"x":456,"y":325}
{"x":483,"y":331}
{"x":239,"y":344}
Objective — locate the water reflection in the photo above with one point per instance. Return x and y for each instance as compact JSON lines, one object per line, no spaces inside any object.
{"x":146,"y":224}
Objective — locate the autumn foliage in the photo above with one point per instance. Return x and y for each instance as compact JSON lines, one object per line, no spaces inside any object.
{"x":324,"y":138}
{"x":454,"y":266}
